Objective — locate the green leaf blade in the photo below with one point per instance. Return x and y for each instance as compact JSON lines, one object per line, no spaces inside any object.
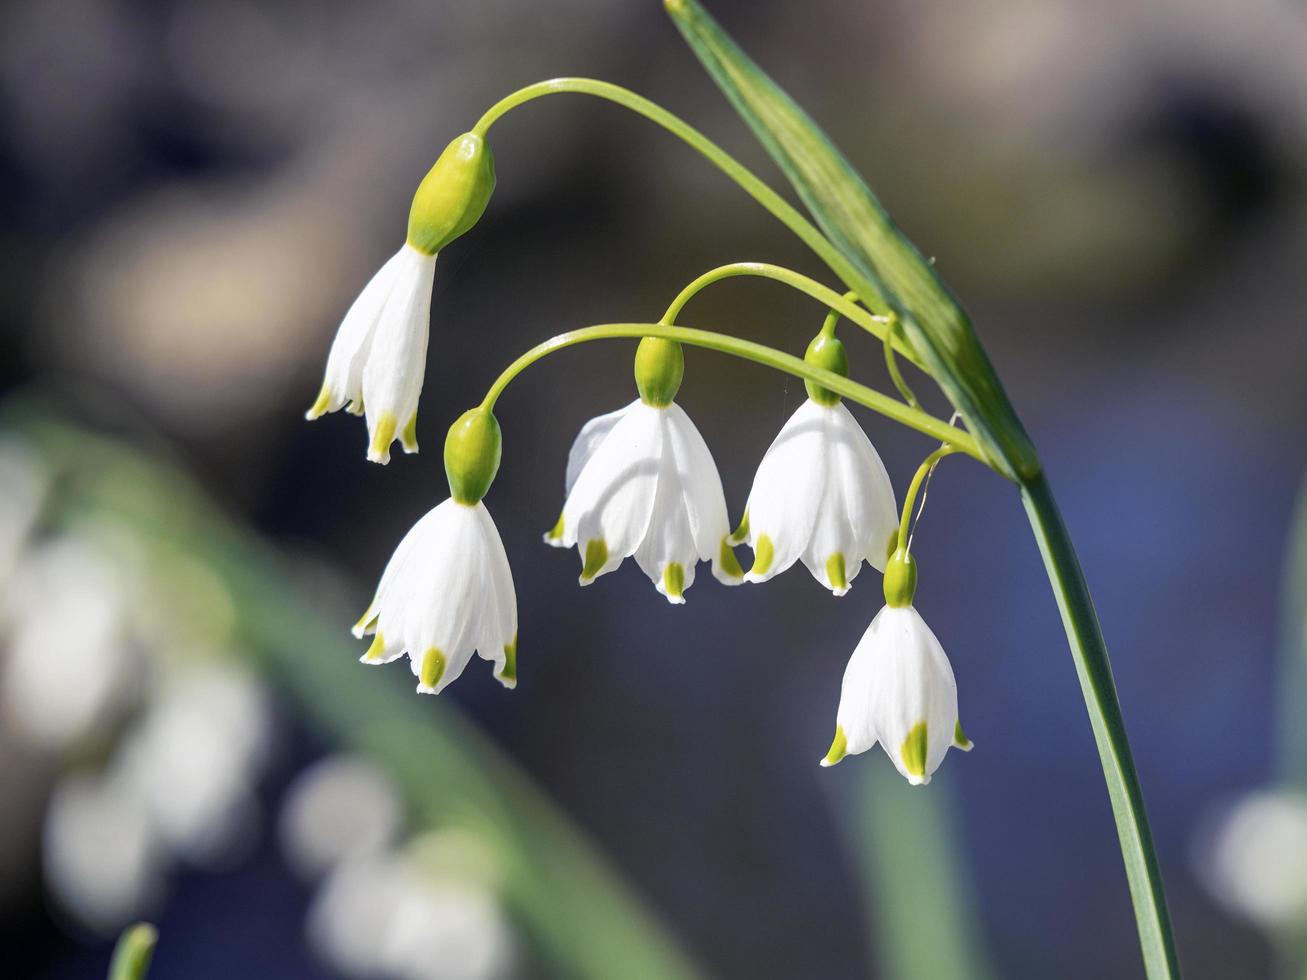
{"x":890,"y":272}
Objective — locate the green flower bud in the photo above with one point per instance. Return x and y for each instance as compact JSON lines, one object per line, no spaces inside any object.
{"x":900,"y":579}
{"x":472,"y":451}
{"x":453,"y":195}
{"x":659,"y":367}
{"x":826,"y":351}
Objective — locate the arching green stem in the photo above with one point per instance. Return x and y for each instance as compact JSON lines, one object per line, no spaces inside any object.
{"x":892,"y":334}
{"x":833,"y":317}
{"x":910,"y":498}
{"x":913,"y":418}
{"x":754,"y":186}
{"x":845,"y":305}
{"x":1094,"y":670}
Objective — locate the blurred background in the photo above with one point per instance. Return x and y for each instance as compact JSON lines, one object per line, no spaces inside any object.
{"x":191,"y":194}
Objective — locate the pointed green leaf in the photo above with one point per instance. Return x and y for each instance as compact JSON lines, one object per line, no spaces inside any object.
{"x":888,"y":270}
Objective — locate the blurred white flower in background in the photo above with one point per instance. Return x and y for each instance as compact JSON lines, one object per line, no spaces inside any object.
{"x":112,"y":654}
{"x":24,"y":483}
{"x":424,"y":913}
{"x":1252,"y":856}
{"x":71,"y":665}
{"x":118,"y":654}
{"x":179,"y":787}
{"x":340,"y":808}
{"x":195,"y":756}
{"x":103,"y":860}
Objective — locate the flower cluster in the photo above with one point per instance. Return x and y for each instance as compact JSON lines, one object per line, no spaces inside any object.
{"x":640,"y":482}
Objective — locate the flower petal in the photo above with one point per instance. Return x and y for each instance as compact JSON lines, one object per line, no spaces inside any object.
{"x":610,"y":506}
{"x":587,"y":441}
{"x":668,"y":541}
{"x":497,"y":630}
{"x":866,"y":493}
{"x":396,"y":362}
{"x":701,"y":488}
{"x":343,"y":380}
{"x":787,"y":493}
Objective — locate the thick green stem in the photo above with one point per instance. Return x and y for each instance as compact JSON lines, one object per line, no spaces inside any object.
{"x":754,"y":186}
{"x":950,"y":435}
{"x":1099,"y":690}
{"x":845,"y":305}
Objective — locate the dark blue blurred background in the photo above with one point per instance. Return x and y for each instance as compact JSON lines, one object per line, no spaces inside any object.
{"x":191,"y":193}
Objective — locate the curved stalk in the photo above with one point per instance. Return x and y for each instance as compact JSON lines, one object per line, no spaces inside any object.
{"x":957,"y":439}
{"x":892,"y":364}
{"x":846,"y":305}
{"x":752,"y":185}
{"x":1099,"y":690}
{"x":833,"y":315}
{"x":923,"y":472}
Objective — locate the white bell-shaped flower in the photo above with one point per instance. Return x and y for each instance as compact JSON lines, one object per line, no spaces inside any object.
{"x":821,"y":494}
{"x":641,"y":481}
{"x":378,"y":359}
{"x":446,"y":592}
{"x":899,"y":689}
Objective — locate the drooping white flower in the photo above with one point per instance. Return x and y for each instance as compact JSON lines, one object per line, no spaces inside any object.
{"x":195,"y":756}
{"x":379,"y":356}
{"x":72,"y":666}
{"x":102,"y":856}
{"x":446,"y":592}
{"x":821,"y":494}
{"x":899,"y":690}
{"x":641,"y":481}
{"x":378,"y":359}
